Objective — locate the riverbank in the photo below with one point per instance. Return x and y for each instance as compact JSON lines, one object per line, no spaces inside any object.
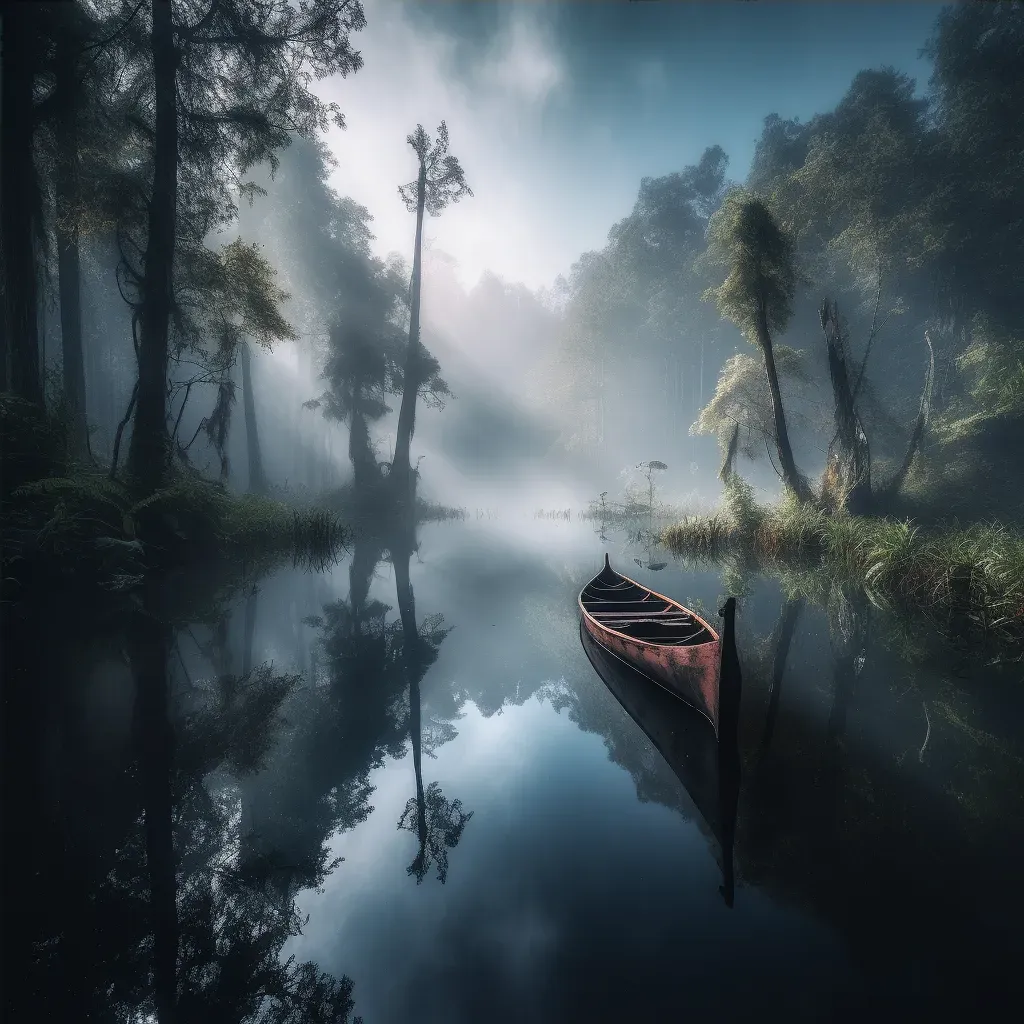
{"x":66,"y":517}
{"x":969,"y":578}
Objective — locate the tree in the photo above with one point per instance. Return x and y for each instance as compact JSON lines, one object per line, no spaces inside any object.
{"x":364,"y":361}
{"x":226,"y":300}
{"x":645,"y":285}
{"x":757,"y":295}
{"x":977,"y":85}
{"x":440,"y":181}
{"x":228,"y":89}
{"x":257,"y":478}
{"x":20,"y":200}
{"x":70,"y":98}
{"x":742,"y":402}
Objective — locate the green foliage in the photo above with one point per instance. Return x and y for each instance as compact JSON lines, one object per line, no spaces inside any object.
{"x":745,"y":238}
{"x":968,"y":579}
{"x":870,"y":208}
{"x":993,"y":369}
{"x":744,"y":514}
{"x":84,"y":523}
{"x":33,"y":443}
{"x":236,"y":298}
{"x":742,"y":397}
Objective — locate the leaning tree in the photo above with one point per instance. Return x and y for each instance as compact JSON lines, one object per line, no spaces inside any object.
{"x":757,"y":295}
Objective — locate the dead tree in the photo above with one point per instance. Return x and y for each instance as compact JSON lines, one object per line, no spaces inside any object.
{"x":846,"y":482}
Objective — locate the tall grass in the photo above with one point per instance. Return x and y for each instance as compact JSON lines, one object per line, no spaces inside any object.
{"x":969,"y":578}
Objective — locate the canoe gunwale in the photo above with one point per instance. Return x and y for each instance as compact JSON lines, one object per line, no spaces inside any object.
{"x":652,"y":679}
{"x":715,"y":638}
{"x":686,"y":669}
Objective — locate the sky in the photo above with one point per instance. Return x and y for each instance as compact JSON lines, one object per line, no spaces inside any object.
{"x":557,"y":110}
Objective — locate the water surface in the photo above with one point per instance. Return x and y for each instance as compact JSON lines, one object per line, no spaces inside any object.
{"x":406,"y":772}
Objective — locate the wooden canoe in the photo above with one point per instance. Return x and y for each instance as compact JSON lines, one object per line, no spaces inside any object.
{"x":655,"y":635}
{"x":708,"y":768}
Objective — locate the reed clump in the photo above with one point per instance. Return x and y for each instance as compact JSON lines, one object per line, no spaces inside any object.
{"x":968,"y":577}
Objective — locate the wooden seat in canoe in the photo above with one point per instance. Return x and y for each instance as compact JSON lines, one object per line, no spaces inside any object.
{"x":656,"y":635}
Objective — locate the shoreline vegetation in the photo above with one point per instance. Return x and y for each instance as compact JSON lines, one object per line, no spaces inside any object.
{"x":65,"y":516}
{"x":969,"y":580}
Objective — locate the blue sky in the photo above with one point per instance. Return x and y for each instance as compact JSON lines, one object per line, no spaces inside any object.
{"x":557,"y":110}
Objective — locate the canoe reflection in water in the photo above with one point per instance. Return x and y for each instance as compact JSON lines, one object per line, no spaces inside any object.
{"x":708,"y":767}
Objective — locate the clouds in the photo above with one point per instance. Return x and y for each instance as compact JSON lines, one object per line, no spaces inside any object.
{"x":524,"y":62}
{"x":491,"y":95}
{"x":557,"y":111}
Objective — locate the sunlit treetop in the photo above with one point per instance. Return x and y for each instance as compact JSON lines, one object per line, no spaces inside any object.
{"x":444,"y":180}
{"x":742,"y":397}
{"x":745,"y":238}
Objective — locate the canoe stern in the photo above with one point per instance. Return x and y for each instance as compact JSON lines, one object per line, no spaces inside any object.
{"x":689,"y":672}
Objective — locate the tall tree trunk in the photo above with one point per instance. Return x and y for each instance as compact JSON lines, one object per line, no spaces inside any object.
{"x":149,"y":649}
{"x":846,"y":482}
{"x":728,"y":470}
{"x":257,"y":478}
{"x":364,"y":465}
{"x":401,"y":472}
{"x":19,"y":203}
{"x":148,"y":454}
{"x":67,"y":243}
{"x":790,"y":475}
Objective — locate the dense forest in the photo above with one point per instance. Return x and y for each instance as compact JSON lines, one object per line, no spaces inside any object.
{"x":896,"y":209}
{"x":901,"y":209}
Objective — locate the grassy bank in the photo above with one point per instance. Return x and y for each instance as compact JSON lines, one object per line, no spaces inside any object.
{"x":969,"y":579}
{"x":64,"y":516}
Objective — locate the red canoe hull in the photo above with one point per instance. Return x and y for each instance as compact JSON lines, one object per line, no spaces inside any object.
{"x":690,"y":672}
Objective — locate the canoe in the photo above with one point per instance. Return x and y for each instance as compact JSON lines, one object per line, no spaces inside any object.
{"x":667,"y":643}
{"x":706,"y":766}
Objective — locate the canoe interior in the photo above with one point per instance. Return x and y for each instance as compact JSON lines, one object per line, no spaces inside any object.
{"x":625,"y":606}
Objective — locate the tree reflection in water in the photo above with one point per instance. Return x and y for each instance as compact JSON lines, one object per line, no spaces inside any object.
{"x":161,"y":914}
{"x":437,"y":821}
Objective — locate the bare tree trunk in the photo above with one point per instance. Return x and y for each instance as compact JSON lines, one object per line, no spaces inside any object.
{"x":250,"y":629}
{"x":150,"y":444}
{"x":728,"y":470}
{"x":257,"y":478}
{"x":847,"y":478}
{"x":19,"y":203}
{"x":364,"y":465}
{"x":401,"y":472}
{"x":790,"y":475}
{"x":892,"y":487}
{"x":68,"y":263}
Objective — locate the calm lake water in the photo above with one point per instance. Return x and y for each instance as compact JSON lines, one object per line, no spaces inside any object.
{"x":493,"y":837}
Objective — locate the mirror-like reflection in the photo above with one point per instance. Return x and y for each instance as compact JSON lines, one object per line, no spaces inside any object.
{"x":206,"y":780}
